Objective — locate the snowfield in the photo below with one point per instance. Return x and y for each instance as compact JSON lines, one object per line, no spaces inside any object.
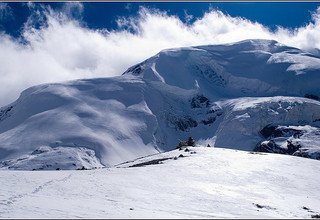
{"x":204,"y":183}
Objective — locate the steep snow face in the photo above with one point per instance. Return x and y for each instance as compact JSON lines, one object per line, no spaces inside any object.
{"x":198,"y":91}
{"x":204,"y":183}
{"x":246,"y":117}
{"x":301,"y":141}
{"x":247,"y":68}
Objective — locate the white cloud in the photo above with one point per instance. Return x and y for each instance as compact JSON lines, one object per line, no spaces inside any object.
{"x":73,"y":9}
{"x":61,"y":48}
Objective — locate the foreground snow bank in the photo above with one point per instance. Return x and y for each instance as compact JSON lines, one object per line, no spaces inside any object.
{"x":209,"y":183}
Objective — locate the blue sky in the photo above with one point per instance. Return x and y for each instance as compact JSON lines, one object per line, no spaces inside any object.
{"x":268,"y":13}
{"x":103,"y":15}
{"x":54,"y":42}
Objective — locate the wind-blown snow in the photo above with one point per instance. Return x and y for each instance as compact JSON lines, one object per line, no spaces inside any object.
{"x":221,"y":95}
{"x":210,"y":183}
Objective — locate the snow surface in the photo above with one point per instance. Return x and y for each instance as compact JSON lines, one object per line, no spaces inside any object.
{"x":58,"y":158}
{"x":210,"y":183}
{"x":221,"y":95}
{"x":248,"y":116}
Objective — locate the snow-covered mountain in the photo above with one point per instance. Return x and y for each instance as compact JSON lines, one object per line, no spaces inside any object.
{"x":251,"y":95}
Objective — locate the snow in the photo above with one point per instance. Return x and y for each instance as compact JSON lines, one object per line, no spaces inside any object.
{"x":47,"y":158}
{"x":153,"y":105}
{"x":306,"y":138}
{"x":248,"y":116}
{"x":211,"y":183}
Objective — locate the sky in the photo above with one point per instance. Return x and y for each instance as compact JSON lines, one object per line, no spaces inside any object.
{"x":55,"y":42}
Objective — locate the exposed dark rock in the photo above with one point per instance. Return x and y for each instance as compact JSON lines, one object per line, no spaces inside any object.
{"x":315,"y":216}
{"x":187,"y":122}
{"x":300,"y":153}
{"x":135,"y":70}
{"x":191,"y":142}
{"x":40,"y":150}
{"x":211,"y":116}
{"x":152,"y":162}
{"x":82,"y":168}
{"x":252,"y":152}
{"x":292,"y":147}
{"x":200,"y":101}
{"x":304,"y":153}
{"x":210,"y":120}
{"x":269,"y":147}
{"x":306,"y":208}
{"x":263,"y":206}
{"x":183,"y":144}
{"x":270,"y":131}
{"x":296,"y":144}
{"x":182,"y":123}
{"x":4,"y":113}
{"x":210,"y":74}
{"x":216,"y":111}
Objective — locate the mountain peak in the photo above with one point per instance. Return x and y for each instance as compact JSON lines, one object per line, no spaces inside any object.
{"x":245,"y":68}
{"x":222,"y":95}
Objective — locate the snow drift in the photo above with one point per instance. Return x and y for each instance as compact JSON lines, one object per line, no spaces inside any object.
{"x":223,"y":95}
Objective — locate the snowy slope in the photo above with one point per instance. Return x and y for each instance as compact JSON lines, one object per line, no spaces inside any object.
{"x":95,"y":114}
{"x":246,"y":117}
{"x":47,"y":158}
{"x":211,"y":183}
{"x":246,"y":68}
{"x":223,"y":95}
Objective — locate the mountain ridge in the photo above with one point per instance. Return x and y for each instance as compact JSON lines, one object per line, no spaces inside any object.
{"x":222,"y":95}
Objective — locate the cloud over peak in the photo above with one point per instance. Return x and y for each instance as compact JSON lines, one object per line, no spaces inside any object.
{"x":57,"y":45}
